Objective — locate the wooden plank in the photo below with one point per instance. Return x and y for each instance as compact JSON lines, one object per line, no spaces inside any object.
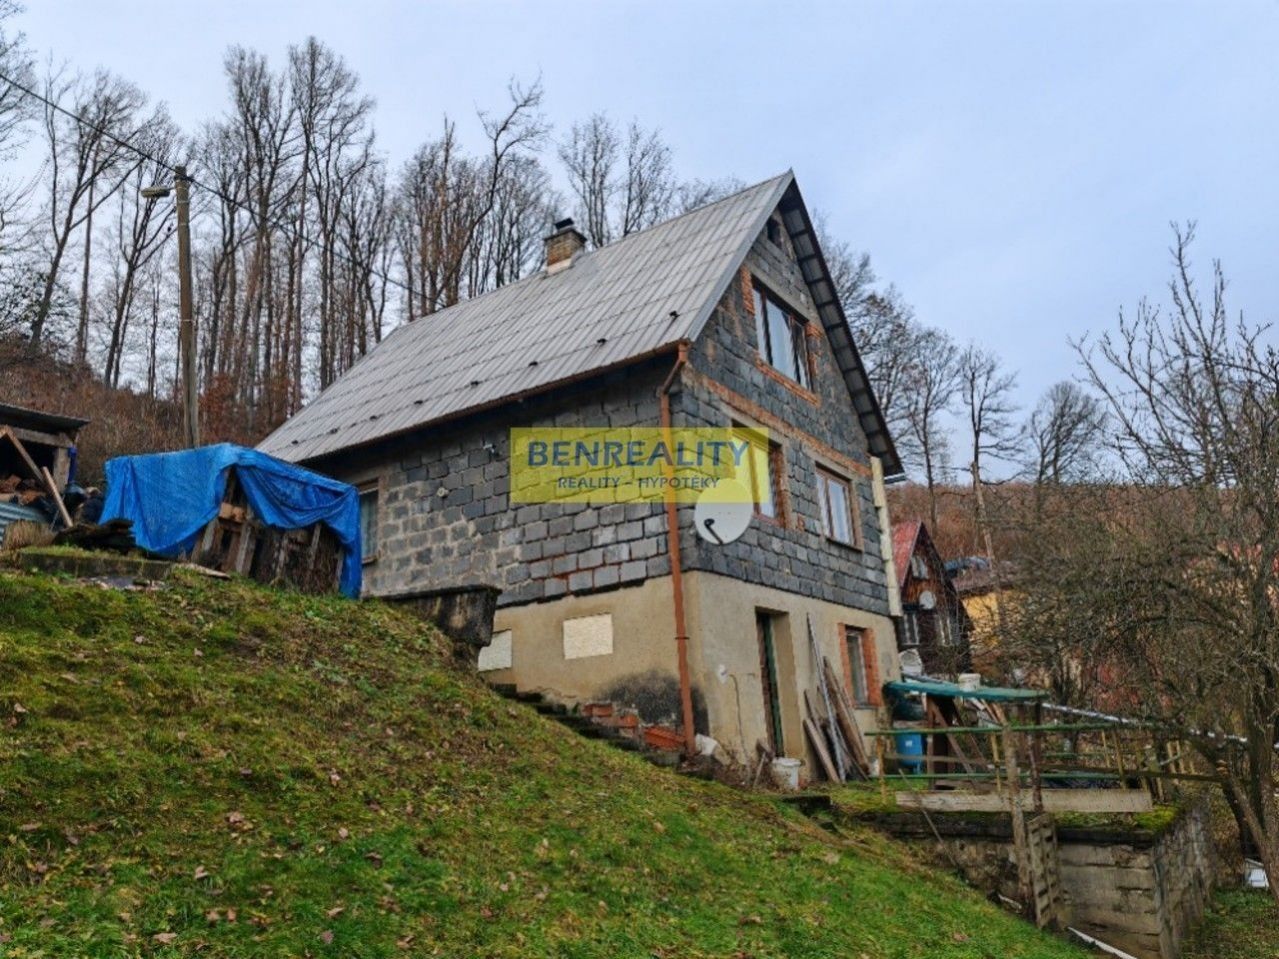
{"x":818,"y":743}
{"x":27,"y":461}
{"x":1055,"y":800}
{"x":823,"y":729}
{"x":57,"y":497}
{"x":846,"y":719}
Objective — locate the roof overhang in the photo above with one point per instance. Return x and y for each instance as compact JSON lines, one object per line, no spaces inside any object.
{"x":29,"y":419}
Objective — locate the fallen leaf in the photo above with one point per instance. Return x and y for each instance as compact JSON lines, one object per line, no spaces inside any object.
{"x":335,"y":911}
{"x":213,"y":916}
{"x":375,"y":858}
{"x":831,"y":858}
{"x":344,"y":833}
{"x":201,"y":872}
{"x":959,"y":937}
{"x":19,"y":708}
{"x":29,"y":827}
{"x":164,"y":938}
{"x":235,"y":818}
{"x":230,"y":915}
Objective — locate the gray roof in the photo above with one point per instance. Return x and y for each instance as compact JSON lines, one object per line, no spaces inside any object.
{"x":26,"y":418}
{"x":621,"y":303}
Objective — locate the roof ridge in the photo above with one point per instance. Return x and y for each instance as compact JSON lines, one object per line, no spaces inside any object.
{"x":696,"y":209}
{"x":541,"y":273}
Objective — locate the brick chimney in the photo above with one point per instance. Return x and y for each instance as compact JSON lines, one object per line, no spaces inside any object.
{"x":561,"y":245}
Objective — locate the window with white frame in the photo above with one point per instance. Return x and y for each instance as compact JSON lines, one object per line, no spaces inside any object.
{"x":835,"y":499}
{"x":783,"y":337}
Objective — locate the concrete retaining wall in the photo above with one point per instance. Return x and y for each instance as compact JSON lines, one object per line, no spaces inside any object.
{"x":1135,"y":890}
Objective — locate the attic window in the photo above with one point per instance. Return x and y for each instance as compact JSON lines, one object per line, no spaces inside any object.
{"x":774,"y":232}
{"x":782,"y":336}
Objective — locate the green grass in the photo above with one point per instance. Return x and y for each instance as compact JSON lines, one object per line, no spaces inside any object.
{"x":1240,"y":924}
{"x":221,"y":770}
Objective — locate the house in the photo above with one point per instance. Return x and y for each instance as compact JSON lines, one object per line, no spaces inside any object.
{"x":722,"y":317}
{"x":988,"y":599}
{"x":934,"y":625}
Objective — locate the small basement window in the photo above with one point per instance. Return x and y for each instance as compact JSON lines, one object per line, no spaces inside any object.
{"x":862,"y":665}
{"x":783,"y":337}
{"x":835,"y":500}
{"x":368,"y":523}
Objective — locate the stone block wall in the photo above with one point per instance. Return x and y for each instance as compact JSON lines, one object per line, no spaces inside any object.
{"x":446,"y":519}
{"x":728,"y":382}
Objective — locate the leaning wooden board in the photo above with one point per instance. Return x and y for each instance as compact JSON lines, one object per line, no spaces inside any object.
{"x":818,"y":742}
{"x":846,"y":719}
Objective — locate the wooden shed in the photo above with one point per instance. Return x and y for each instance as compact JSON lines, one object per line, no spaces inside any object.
{"x":31,"y":441}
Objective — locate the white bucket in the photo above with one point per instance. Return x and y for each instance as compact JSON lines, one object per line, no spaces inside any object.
{"x":786,"y":773}
{"x":970,"y":682}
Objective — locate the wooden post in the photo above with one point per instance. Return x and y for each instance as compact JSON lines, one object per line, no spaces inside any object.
{"x":1025,"y":883}
{"x":1036,"y":759}
{"x":57,"y":497}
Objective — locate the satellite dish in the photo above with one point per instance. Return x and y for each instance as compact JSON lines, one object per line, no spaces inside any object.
{"x":719,"y":522}
{"x":927,"y":600}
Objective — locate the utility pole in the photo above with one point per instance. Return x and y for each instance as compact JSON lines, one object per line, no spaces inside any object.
{"x":186,"y":318}
{"x":186,"y":309}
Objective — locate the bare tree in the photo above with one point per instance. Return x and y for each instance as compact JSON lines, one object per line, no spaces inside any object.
{"x":142,"y":227}
{"x":87,"y":161}
{"x":986,"y":393}
{"x":691,"y":194}
{"x":1065,"y":434}
{"x":624,"y":182}
{"x":1194,"y":396}
{"x":16,"y":111}
{"x":590,"y":156}
{"x":650,"y":182}
{"x":885,"y":333}
{"x":931,"y":386}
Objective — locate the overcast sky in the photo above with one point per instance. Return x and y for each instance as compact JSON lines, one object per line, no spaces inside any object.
{"x":1011,"y":167}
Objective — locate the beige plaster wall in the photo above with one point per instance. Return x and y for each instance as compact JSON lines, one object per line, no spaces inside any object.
{"x":723,"y":652}
{"x":725,"y":664}
{"x":643,"y":641}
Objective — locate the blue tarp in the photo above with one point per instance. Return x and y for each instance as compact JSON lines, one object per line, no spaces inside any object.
{"x":171,"y":497}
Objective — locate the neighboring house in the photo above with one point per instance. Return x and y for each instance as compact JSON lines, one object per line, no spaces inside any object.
{"x":725,"y":316}
{"x":934,"y":623}
{"x":975,"y":582}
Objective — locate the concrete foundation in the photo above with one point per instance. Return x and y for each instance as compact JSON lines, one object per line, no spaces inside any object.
{"x":635,"y":665}
{"x":1139,"y":891}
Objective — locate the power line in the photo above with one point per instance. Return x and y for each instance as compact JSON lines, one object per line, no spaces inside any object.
{"x":225,"y":198}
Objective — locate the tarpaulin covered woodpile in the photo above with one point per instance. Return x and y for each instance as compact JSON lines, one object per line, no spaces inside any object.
{"x":238,"y":510}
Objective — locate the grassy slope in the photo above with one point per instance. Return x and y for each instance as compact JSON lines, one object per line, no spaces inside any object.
{"x":1240,"y":924}
{"x":309,"y":767}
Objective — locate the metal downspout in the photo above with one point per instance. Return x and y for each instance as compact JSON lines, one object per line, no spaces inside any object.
{"x":677,"y":575}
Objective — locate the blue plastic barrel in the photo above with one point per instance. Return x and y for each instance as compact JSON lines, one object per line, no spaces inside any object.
{"x":909,"y":746}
